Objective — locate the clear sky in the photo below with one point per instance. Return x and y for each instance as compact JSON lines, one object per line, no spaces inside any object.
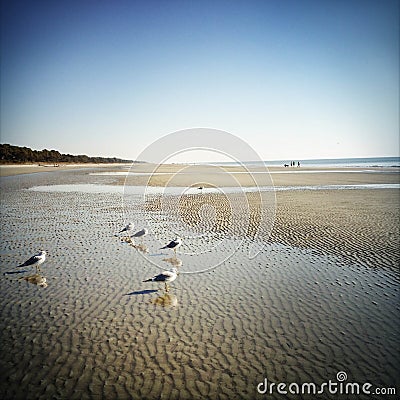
{"x":295,"y":79}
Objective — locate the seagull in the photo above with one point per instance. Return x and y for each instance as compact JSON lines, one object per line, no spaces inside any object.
{"x":174,"y":244}
{"x":141,"y":234}
{"x":36,"y":260}
{"x":128,"y":228}
{"x":165,"y":276}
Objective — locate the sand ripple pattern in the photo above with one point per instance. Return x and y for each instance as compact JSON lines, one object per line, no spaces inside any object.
{"x":205,"y":221}
{"x":291,"y":314}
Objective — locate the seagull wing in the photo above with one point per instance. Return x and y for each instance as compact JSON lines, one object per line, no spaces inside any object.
{"x":158,"y":278}
{"x":164,"y":276}
{"x":31,"y":261}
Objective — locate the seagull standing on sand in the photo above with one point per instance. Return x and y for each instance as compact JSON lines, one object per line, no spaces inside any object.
{"x":174,"y":244}
{"x":37,"y":260}
{"x":128,"y":228}
{"x":165,"y":276}
{"x":141,"y":234}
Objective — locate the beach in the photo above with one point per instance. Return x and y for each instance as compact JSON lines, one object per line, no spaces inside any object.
{"x":20,"y":169}
{"x":320,"y":296}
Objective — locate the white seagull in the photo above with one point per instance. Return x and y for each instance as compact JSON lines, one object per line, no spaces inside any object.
{"x":141,"y":234}
{"x":174,"y":244}
{"x":165,"y":276}
{"x":37,"y":260}
{"x":128,"y":228}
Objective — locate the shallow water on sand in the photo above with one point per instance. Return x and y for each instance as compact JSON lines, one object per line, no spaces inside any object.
{"x":177,"y":190}
{"x":98,"y":331}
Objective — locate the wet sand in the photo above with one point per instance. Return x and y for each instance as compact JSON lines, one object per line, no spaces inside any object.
{"x":321,"y":297}
{"x":361,"y":226}
{"x":209,"y":176}
{"x":20,"y":169}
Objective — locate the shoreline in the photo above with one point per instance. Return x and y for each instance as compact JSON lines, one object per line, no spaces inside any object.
{"x":19,"y":169}
{"x":211,"y":176}
{"x":138,"y":174}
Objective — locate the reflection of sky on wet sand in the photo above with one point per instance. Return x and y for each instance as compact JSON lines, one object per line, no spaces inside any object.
{"x":177,"y":190}
{"x":285,"y":312}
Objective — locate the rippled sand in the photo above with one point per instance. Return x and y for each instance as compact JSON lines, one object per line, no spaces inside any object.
{"x":322,"y":297}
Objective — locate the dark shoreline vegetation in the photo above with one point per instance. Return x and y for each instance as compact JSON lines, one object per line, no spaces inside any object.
{"x":21,"y":155}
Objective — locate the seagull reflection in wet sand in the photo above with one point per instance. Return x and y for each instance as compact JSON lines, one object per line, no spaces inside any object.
{"x":166,"y":300}
{"x":141,"y":247}
{"x":35,"y":279}
{"x":165,"y":276}
{"x":131,"y":241}
{"x":175,"y":261}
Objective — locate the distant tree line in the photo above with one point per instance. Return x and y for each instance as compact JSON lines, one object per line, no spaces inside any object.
{"x":17,"y":154}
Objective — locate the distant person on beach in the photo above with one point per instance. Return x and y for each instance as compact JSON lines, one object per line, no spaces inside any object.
{"x":298,"y":163}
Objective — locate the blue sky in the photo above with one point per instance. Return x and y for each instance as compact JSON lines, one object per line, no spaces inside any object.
{"x":294,"y":79}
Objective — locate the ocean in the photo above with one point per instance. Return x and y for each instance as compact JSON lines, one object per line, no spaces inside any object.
{"x":329,"y":162}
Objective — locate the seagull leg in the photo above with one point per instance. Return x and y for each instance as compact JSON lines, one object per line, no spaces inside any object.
{"x":166,"y":287}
